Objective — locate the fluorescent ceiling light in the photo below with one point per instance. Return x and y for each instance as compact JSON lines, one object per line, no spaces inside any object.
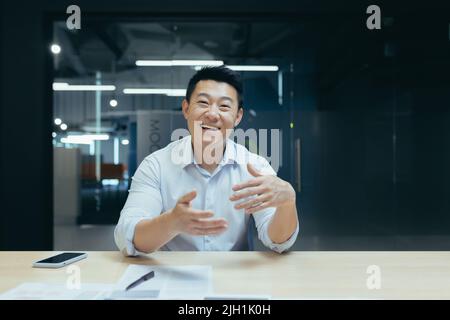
{"x":57,"y":85}
{"x":110,"y":182}
{"x":172,"y":63}
{"x":154,"y":63}
{"x":62,"y":86}
{"x":144,"y":91}
{"x":177,"y":93}
{"x":197,"y":62}
{"x":254,"y":68}
{"x":125,"y":142}
{"x":90,"y":136}
{"x":167,"y":92}
{"x":75,"y":141}
{"x":84,"y":139}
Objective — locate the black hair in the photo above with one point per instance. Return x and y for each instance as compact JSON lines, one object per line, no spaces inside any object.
{"x":219,"y":74}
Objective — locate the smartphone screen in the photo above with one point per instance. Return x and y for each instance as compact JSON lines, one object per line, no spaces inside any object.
{"x":61,"y":257}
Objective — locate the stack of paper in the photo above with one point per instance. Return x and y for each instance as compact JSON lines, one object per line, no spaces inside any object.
{"x":45,"y":291}
{"x":169,"y":282}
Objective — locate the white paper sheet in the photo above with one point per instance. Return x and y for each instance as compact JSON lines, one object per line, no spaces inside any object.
{"x":45,"y":291}
{"x":169,"y":282}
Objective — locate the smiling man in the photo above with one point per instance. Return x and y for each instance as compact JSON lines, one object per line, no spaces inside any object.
{"x":205,"y":201}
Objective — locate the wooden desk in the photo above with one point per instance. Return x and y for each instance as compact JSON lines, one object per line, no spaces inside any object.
{"x":296,"y":275}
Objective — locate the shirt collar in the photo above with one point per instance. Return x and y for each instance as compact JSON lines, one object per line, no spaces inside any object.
{"x":187,"y":153}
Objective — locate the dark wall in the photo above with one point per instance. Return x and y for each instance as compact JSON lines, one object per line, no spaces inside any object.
{"x":383,"y":117}
{"x":26,"y":157}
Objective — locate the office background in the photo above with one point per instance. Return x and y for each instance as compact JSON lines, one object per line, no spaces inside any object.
{"x":364,"y":114}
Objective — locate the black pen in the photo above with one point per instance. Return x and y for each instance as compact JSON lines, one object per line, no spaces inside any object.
{"x":145,"y":277}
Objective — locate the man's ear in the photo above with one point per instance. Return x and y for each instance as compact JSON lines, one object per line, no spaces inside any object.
{"x":185,"y":108}
{"x":240,"y":113}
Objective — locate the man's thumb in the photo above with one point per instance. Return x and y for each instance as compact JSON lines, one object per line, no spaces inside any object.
{"x":188,"y":197}
{"x":253,"y":171}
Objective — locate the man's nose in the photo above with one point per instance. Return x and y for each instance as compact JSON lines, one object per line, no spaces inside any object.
{"x":213,"y":113}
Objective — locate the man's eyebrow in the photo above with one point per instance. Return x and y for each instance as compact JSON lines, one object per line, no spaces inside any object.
{"x":208,"y":96}
{"x":203,"y":94}
{"x":226,"y":98}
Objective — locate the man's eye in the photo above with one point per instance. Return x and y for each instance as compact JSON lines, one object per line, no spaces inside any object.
{"x":203,"y":102}
{"x":224,"y":106}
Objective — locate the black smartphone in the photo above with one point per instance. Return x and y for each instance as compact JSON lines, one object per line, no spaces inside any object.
{"x":60,"y":260}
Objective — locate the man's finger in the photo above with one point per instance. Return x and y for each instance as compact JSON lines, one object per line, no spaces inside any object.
{"x":249,"y":183}
{"x":253,"y":202}
{"x":262,"y":206}
{"x":210,"y":223}
{"x":188,"y":197}
{"x":199,"y":214}
{"x":209,"y":231}
{"x":251,"y":169}
{"x":247,"y":193}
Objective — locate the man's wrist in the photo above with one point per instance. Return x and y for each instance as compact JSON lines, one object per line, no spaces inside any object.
{"x":290,"y":204}
{"x":172,"y":222}
{"x":291,"y":201}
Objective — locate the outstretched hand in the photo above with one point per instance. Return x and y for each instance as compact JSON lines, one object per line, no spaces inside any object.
{"x":265,"y":191}
{"x":193,"y":221}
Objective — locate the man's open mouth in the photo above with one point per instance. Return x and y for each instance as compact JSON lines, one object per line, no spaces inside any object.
{"x":206,"y":127}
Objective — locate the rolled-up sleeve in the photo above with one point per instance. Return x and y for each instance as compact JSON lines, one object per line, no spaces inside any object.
{"x":144,"y":202}
{"x":262,"y":222}
{"x":264,"y":217}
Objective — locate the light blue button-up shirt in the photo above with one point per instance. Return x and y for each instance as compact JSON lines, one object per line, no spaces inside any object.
{"x":167,"y":174}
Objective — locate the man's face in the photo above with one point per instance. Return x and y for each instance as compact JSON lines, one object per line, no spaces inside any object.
{"x":213,"y":109}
